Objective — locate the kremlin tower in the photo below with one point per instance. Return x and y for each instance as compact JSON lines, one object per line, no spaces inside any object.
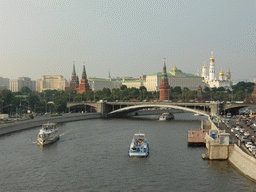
{"x":74,"y":82}
{"x":164,"y":87}
{"x":84,"y":85}
{"x":74,"y":79}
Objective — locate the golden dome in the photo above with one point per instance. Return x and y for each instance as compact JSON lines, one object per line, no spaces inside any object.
{"x":174,"y":67}
{"x":204,"y":66}
{"x":221,"y":73}
{"x":212,"y":58}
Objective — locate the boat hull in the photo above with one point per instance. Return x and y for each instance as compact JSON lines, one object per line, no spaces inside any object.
{"x":46,"y":141}
{"x":139,"y":154}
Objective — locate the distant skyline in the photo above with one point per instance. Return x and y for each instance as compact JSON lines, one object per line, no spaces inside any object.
{"x":127,"y":38}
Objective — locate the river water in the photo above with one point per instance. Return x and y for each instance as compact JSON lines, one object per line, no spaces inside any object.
{"x":92,"y":155}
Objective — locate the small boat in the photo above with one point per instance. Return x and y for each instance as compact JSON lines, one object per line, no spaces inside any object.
{"x":198,"y":114}
{"x":139,"y":146}
{"x":48,"y":134}
{"x":166,"y":116}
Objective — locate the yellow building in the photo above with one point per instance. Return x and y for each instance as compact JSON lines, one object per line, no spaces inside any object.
{"x":51,"y":82}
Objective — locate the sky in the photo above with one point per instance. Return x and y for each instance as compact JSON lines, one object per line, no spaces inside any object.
{"x":127,"y":38}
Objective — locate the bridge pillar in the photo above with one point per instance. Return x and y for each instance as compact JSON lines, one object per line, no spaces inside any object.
{"x":214,"y":109}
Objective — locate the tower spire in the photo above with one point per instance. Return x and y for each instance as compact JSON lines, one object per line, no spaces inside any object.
{"x":84,"y":72}
{"x":74,"y":70}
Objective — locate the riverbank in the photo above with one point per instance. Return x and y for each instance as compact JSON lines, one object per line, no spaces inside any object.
{"x":38,"y":121}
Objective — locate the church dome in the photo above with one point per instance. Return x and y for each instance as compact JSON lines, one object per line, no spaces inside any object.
{"x":212,"y":58}
{"x":174,"y":67}
{"x":204,"y":66}
{"x":221,"y":73}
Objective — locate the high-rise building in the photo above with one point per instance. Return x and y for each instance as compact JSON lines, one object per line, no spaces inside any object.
{"x":17,"y":84}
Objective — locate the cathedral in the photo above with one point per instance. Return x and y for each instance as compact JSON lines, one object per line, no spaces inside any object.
{"x":74,"y":84}
{"x":212,"y":81}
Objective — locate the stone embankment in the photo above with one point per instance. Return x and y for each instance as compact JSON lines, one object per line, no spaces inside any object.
{"x":38,"y":121}
{"x":245,"y":163}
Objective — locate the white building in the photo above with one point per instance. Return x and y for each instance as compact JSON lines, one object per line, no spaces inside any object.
{"x":212,"y":81}
{"x":17,"y":84}
{"x":51,"y":82}
{"x":175,"y":78}
{"x":100,"y":83}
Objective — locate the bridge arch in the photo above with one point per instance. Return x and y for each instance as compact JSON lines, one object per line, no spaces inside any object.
{"x":126,"y":110}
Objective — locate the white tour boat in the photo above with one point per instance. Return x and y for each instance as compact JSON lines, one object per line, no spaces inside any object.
{"x":48,"y":134}
{"x":139,"y":146}
{"x":166,"y":116}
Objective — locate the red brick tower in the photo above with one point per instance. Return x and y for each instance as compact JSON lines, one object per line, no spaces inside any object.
{"x":199,"y":94}
{"x":73,"y":82}
{"x":84,"y":85}
{"x":254,"y":94}
{"x":164,"y":86}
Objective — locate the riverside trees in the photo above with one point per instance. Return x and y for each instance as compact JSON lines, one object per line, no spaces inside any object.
{"x":56,"y":101}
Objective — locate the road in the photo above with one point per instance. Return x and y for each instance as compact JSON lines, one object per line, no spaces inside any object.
{"x":233,"y":138}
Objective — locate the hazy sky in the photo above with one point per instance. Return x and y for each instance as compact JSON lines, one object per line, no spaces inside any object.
{"x":127,"y":37}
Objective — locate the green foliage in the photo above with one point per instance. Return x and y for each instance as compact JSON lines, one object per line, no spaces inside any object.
{"x":123,"y":87}
{"x":25,"y":90}
{"x":60,"y":105}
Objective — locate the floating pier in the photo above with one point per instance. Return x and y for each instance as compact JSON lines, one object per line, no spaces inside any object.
{"x":196,"y":138}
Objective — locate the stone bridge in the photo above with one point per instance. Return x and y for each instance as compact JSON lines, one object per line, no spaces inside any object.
{"x":124,"y":108}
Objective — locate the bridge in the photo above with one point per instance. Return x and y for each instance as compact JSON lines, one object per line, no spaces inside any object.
{"x":117,"y":109}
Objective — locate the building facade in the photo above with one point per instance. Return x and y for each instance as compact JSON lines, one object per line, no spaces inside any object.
{"x":51,"y":82}
{"x":4,"y":83}
{"x":17,"y":84}
{"x":100,"y":83}
{"x":175,"y":78}
{"x":212,"y":81}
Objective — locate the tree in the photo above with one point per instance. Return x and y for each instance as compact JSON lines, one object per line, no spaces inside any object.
{"x":123,"y":87}
{"x":143,"y":88}
{"x":25,"y":90}
{"x":206,"y":89}
{"x":177,"y":89}
{"x":60,"y":105}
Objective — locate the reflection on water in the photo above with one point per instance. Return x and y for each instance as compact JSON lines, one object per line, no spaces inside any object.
{"x":92,"y":155}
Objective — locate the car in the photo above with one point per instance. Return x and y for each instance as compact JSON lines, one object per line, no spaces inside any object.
{"x":246,"y":133}
{"x":233,"y":130}
{"x":243,"y":138}
{"x":253,"y":151}
{"x":247,"y":144}
{"x":242,"y":130}
{"x":252,"y":147}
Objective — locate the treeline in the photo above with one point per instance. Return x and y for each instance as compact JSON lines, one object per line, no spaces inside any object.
{"x":56,"y":101}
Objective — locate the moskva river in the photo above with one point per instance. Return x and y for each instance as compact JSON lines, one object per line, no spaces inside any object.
{"x":92,"y":155}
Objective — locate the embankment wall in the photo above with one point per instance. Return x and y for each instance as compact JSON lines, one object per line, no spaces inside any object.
{"x":245,"y":163}
{"x":38,"y":121}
